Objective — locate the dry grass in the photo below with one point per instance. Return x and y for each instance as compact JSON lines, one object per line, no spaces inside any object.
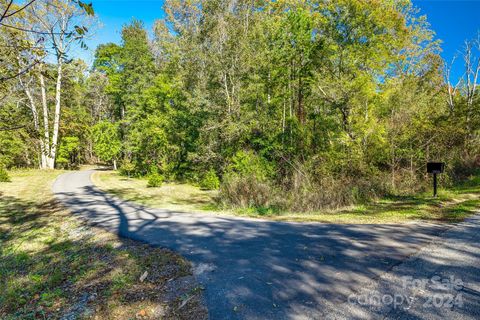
{"x":172,"y":196}
{"x":451,"y":206}
{"x":54,"y":266}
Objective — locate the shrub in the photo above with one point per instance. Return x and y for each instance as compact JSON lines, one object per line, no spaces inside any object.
{"x":155,"y":180}
{"x":4,"y":177}
{"x":245,"y":191}
{"x":127,"y":168}
{"x":210,"y":181}
{"x":246,"y":183}
{"x":305,"y":194}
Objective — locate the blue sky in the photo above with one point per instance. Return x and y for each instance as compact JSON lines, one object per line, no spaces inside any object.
{"x":452,"y":20}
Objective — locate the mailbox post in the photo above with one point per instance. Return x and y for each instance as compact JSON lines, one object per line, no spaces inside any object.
{"x":435,"y":168}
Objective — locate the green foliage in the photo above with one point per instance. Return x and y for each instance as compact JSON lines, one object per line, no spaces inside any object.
{"x":16,"y":148}
{"x":324,"y":103}
{"x":148,"y":142}
{"x":106,"y":139}
{"x":88,"y":7}
{"x":137,"y":66}
{"x":155,"y":180}
{"x":210,"y":181}
{"x":4,"y":177}
{"x":247,"y":163}
{"x":12,"y":148}
{"x":127,"y":168}
{"x":246,"y":183}
{"x":67,"y":156}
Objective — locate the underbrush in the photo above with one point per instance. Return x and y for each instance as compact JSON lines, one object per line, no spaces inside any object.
{"x":300,"y":194}
{"x":452,"y":205}
{"x":305,"y":193}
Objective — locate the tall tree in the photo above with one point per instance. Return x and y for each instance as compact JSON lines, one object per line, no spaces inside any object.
{"x":63,"y":25}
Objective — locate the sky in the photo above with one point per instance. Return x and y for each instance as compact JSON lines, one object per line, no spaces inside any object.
{"x":454,"y":21}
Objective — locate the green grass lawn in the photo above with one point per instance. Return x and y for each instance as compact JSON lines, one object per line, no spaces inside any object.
{"x":52,"y":265}
{"x":451,"y":205}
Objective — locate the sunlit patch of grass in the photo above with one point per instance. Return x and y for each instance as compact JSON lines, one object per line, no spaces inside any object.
{"x":50,"y":262}
{"x":171,"y":196}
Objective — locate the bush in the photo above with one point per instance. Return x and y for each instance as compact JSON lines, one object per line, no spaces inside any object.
{"x":246,"y":183}
{"x":246,"y":191}
{"x":210,"y":181}
{"x":127,"y":168}
{"x":305,"y":192}
{"x":155,"y":180}
{"x":4,"y":177}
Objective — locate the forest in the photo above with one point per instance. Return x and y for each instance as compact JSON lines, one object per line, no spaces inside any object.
{"x":294,"y":105}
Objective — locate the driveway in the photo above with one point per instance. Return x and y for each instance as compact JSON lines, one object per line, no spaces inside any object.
{"x":254,"y":269}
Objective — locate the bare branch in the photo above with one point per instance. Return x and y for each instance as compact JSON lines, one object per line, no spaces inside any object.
{"x":31,"y":31}
{"x":22,"y":72}
{"x":12,"y":128}
{"x":19,"y":10}
{"x":4,"y":14}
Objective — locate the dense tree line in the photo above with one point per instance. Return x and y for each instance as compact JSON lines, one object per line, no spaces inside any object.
{"x":288,"y":104}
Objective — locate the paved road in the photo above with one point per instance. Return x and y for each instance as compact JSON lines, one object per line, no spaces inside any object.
{"x":441,"y":281}
{"x":255,"y":269}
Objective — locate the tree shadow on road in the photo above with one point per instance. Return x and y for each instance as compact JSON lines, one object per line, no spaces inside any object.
{"x":55,"y":266}
{"x":263,"y":268}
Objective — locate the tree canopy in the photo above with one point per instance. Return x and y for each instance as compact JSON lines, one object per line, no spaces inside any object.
{"x":323,"y":103}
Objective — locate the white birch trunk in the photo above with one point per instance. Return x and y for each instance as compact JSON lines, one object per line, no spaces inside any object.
{"x":46,"y":133}
{"x":56,"y":121}
{"x":36,"y":125}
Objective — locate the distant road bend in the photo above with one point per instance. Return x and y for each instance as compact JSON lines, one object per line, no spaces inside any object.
{"x":254,"y":269}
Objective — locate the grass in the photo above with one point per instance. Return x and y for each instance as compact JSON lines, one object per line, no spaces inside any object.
{"x":452,"y":205}
{"x":172,"y":196}
{"x":54,"y":266}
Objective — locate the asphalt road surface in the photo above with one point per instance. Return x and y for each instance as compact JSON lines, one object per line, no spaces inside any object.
{"x":254,"y":269}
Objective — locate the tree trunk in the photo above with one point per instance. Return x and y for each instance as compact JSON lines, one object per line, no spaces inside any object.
{"x":56,"y":122}
{"x":300,"y":110}
{"x":33,"y":108}
{"x":46,"y":132}
{"x":45,"y":143}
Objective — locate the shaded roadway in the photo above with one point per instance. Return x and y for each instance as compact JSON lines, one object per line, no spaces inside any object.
{"x":255,"y":269}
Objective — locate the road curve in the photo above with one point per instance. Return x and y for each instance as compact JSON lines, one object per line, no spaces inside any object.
{"x":254,"y":269}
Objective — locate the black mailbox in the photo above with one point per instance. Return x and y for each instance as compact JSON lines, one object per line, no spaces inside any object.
{"x":435,"y":167}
